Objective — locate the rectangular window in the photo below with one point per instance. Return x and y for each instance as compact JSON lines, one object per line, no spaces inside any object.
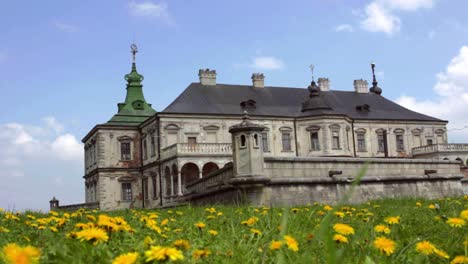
{"x":400,"y":143}
{"x":314,"y":141}
{"x":155,"y":191}
{"x":335,"y":140}
{"x":192,"y":140}
{"x":361,"y":142}
{"x":144,"y":184}
{"x":126,"y":191}
{"x":265,"y":146}
{"x":429,"y":142}
{"x":152,"y":146}
{"x":125,"y":151}
{"x":380,"y":141}
{"x":286,"y":141}
{"x":145,"y":149}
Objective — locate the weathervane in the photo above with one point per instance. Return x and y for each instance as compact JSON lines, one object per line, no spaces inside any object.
{"x":312,"y":71}
{"x":134,"y":50}
{"x":374,"y":81}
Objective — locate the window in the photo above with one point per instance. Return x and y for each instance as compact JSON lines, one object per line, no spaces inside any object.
{"x":381,"y":143}
{"x":361,"y":142}
{"x":242,"y":139}
{"x":314,"y":141}
{"x":155,"y":191}
{"x":265,"y":146}
{"x":335,"y":140}
{"x":153,"y":146}
{"x":126,"y":191}
{"x":255,"y":140}
{"x":400,"y":143}
{"x":125,"y":151}
{"x":429,"y":142}
{"x":192,"y":140}
{"x":145,"y":149}
{"x":144,"y":184}
{"x":286,"y":141}
{"x":440,"y":139}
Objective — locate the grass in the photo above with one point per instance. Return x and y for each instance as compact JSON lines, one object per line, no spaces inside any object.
{"x":311,"y":226}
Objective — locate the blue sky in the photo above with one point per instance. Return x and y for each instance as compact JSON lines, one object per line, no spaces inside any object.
{"x":62,"y":65}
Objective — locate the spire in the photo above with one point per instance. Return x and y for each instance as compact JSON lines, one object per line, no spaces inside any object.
{"x":135,"y":109}
{"x":374,"y":89}
{"x":313,"y":87}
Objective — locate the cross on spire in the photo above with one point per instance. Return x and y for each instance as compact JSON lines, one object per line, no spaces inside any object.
{"x":134,"y":50}
{"x":312,"y":70}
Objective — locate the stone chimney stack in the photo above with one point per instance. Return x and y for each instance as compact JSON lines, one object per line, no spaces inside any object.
{"x":207,"y":77}
{"x":324,"y":84}
{"x":360,"y":86}
{"x":258,"y":80}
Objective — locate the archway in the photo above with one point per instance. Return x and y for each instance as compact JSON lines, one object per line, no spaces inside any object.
{"x":189,"y":173}
{"x":209,"y":167}
{"x":446,"y":159}
{"x":167,"y":179}
{"x":175,"y":179}
{"x":459,"y":160}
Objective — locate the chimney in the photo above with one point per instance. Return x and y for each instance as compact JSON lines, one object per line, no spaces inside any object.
{"x":258,"y":80}
{"x":360,"y":86}
{"x":324,"y":84}
{"x":207,"y":77}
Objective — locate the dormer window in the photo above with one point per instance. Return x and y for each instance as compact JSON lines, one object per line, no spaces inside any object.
{"x":363,"y":108}
{"x":248,"y":105}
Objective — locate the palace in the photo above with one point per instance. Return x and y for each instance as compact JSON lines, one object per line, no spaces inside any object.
{"x":145,"y":158}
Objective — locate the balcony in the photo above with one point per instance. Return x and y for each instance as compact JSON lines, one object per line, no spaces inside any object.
{"x":197,"y":149}
{"x":440,"y":148}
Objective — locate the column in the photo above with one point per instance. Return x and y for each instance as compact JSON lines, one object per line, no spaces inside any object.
{"x":172,"y":184}
{"x":179,"y":183}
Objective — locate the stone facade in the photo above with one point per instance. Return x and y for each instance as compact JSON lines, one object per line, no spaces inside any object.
{"x":145,"y":159}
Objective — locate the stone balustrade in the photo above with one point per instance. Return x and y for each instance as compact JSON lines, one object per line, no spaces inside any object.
{"x":196,"y":149}
{"x":440,"y":148}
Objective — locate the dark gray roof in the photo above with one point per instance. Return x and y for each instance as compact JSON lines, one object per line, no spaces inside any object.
{"x":225,"y":99}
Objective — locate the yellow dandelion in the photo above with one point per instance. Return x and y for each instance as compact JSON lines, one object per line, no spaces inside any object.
{"x":343,"y":229}
{"x":327,"y":208}
{"x":275,"y":245}
{"x":340,"y":238}
{"x":392,"y":220}
{"x":295,"y":210}
{"x":291,"y":243}
{"x":148,"y":241}
{"x":200,"y":253}
{"x":382,"y":229}
{"x":96,"y":235}
{"x":181,"y":244}
{"x":441,"y":253}
{"x":456,"y":222}
{"x":425,"y":247}
{"x":431,"y":206}
{"x":255,"y":231}
{"x":213,"y":232}
{"x":16,"y":254}
{"x":418,"y":204}
{"x":200,"y":225}
{"x":4,"y":230}
{"x":340,"y":214}
{"x":385,"y":245}
{"x":459,"y":260}
{"x":159,"y":253}
{"x":250,"y":222}
{"x":464,"y":214}
{"x":128,"y":258}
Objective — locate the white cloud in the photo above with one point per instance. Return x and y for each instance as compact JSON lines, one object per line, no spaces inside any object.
{"x":451,"y":103}
{"x":344,"y":28}
{"x":66,"y":27}
{"x":267,"y":63}
{"x":34,"y":159}
{"x":380,"y":14}
{"x":151,"y":9}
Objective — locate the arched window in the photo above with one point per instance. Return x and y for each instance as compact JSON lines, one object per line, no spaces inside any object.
{"x":459,"y":160}
{"x":242,"y":141}
{"x":255,"y":140}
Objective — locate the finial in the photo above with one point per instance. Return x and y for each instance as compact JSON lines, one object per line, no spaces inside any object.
{"x":246,"y":115}
{"x":312,"y":70}
{"x":374,"y":89}
{"x":134,"y":50}
{"x":373,"y":74}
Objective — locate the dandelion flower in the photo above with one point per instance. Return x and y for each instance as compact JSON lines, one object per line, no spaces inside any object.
{"x":92,"y":234}
{"x":392,"y":220}
{"x":291,"y":243}
{"x":441,"y":253}
{"x":456,"y":222}
{"x":255,"y":231}
{"x":275,"y":245}
{"x":16,"y":254}
{"x":384,"y":245}
{"x":200,"y":225}
{"x":425,"y":247}
{"x":464,"y":214}
{"x":343,"y":229}
{"x":418,"y":204}
{"x":340,"y":238}
{"x":340,"y":214}
{"x":181,"y":243}
{"x":128,"y":258}
{"x":200,"y":253}
{"x":459,"y":260}
{"x":382,"y":229}
{"x":159,"y":253}
{"x":327,"y":208}
{"x":250,"y":222}
{"x":213,"y":232}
